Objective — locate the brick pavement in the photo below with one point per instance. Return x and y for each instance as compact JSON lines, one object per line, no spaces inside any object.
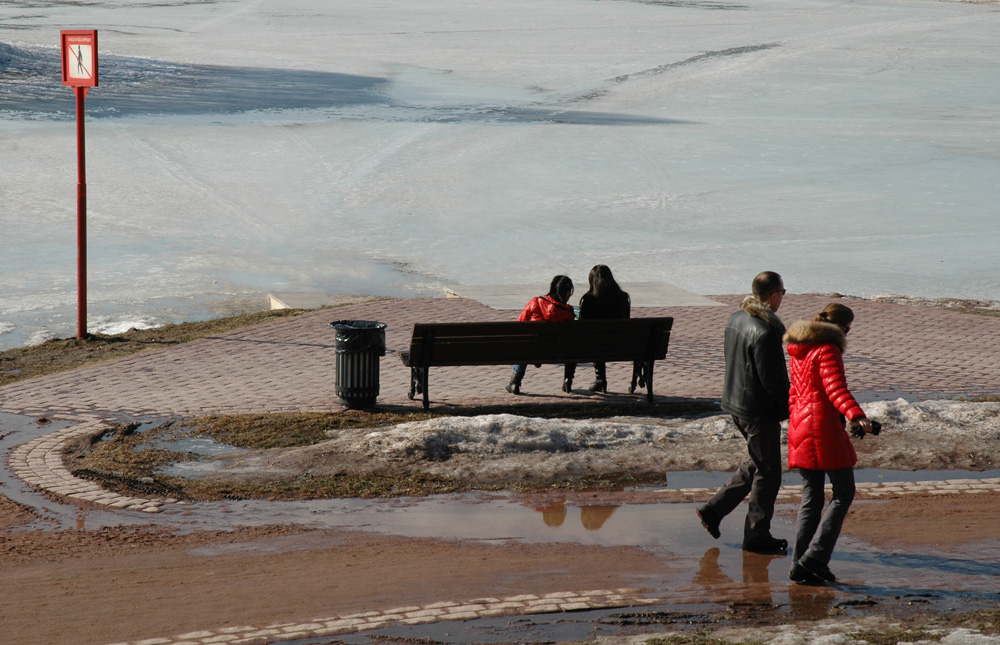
{"x":894,"y":351}
{"x":287,"y":365}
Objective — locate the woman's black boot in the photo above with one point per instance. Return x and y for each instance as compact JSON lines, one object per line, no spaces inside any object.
{"x":600,"y":379}
{"x":569,"y":371}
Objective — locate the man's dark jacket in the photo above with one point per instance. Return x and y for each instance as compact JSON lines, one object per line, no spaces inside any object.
{"x":756,"y":384}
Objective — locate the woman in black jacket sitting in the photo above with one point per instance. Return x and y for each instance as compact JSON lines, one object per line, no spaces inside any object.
{"x":605,"y":299}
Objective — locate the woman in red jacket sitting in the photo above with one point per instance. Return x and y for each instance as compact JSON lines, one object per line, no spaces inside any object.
{"x":818,"y":441}
{"x":551,"y":307}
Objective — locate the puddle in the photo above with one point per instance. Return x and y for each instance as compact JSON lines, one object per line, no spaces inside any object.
{"x":704,"y":578}
{"x":668,"y":528}
{"x":715,"y":583}
{"x":202,"y":446}
{"x":16,"y":429}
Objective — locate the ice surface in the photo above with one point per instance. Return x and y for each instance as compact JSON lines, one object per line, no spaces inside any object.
{"x":393,"y":148}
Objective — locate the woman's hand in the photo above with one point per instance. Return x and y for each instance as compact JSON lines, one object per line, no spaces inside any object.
{"x":861,"y":426}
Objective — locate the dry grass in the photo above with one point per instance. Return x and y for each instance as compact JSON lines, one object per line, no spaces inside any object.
{"x":128,"y":460}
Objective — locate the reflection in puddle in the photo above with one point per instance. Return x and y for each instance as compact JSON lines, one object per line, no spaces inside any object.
{"x":756,"y":580}
{"x":591,"y":517}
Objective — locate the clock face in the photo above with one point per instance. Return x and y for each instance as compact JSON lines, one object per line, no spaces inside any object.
{"x":80,"y":62}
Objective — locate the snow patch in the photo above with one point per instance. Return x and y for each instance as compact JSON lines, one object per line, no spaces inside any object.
{"x":115,"y":327}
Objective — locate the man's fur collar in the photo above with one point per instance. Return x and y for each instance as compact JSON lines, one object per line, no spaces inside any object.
{"x":759,"y":309}
{"x":809,"y":332}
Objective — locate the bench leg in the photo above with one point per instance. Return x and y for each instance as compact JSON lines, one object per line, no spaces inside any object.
{"x":638,"y":376}
{"x":649,"y":381}
{"x":423,"y":387}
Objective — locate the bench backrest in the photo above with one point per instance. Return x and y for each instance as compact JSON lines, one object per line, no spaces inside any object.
{"x":507,"y":343}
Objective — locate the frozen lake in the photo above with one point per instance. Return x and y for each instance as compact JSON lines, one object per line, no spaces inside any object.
{"x":393,"y":148}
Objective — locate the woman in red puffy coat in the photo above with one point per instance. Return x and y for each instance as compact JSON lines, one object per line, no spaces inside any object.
{"x":552,"y":307}
{"x":818,"y":441}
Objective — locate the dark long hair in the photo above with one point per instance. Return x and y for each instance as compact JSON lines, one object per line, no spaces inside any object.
{"x":604,"y":287}
{"x":561,"y":288}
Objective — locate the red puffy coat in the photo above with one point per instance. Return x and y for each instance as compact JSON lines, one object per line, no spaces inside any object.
{"x":819,"y":399}
{"x":546,"y":308}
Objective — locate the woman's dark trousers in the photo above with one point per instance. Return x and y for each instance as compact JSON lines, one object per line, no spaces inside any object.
{"x":812,"y":518}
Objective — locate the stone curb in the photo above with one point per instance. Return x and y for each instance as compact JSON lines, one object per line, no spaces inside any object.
{"x":558,"y":602}
{"x":864,"y":490}
{"x":39,"y":463}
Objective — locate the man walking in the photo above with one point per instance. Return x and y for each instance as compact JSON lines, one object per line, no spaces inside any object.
{"x":755,"y":393}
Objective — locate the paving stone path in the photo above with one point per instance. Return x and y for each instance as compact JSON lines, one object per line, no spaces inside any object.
{"x":896,"y":351}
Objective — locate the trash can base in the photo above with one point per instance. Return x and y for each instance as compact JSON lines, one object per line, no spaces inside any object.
{"x":358,"y":404}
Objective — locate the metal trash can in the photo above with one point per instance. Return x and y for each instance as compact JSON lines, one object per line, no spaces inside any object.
{"x":360,"y":343}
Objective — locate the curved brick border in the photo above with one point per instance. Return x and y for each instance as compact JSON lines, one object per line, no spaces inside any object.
{"x":39,"y":463}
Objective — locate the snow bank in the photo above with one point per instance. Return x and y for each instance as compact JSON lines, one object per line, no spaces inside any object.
{"x":932,"y":435}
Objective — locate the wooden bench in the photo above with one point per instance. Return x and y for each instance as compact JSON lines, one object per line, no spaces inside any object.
{"x":640,"y":340}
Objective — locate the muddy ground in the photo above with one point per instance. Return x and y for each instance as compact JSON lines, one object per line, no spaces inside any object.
{"x":128,"y":584}
{"x":122,"y":584}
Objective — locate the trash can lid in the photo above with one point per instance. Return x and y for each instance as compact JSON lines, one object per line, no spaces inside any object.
{"x":357,"y":324}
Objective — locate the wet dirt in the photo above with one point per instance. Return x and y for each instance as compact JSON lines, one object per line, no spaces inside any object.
{"x":111,"y":577}
{"x":115,"y":584}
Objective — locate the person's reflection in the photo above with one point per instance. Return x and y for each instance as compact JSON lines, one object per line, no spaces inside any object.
{"x":756,"y":587}
{"x":594,"y":517}
{"x":554,"y":513}
{"x":709,"y":573}
{"x":807,"y":603}
{"x":756,"y":578}
{"x":810,"y":603}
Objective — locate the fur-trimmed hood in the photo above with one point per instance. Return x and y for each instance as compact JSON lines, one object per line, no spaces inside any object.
{"x":810,"y":332}
{"x":761,"y":310}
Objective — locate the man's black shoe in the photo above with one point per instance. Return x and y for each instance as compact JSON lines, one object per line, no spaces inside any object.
{"x":710,"y":521}
{"x":767,"y":546}
{"x":817,"y":568}
{"x":800,"y":575}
